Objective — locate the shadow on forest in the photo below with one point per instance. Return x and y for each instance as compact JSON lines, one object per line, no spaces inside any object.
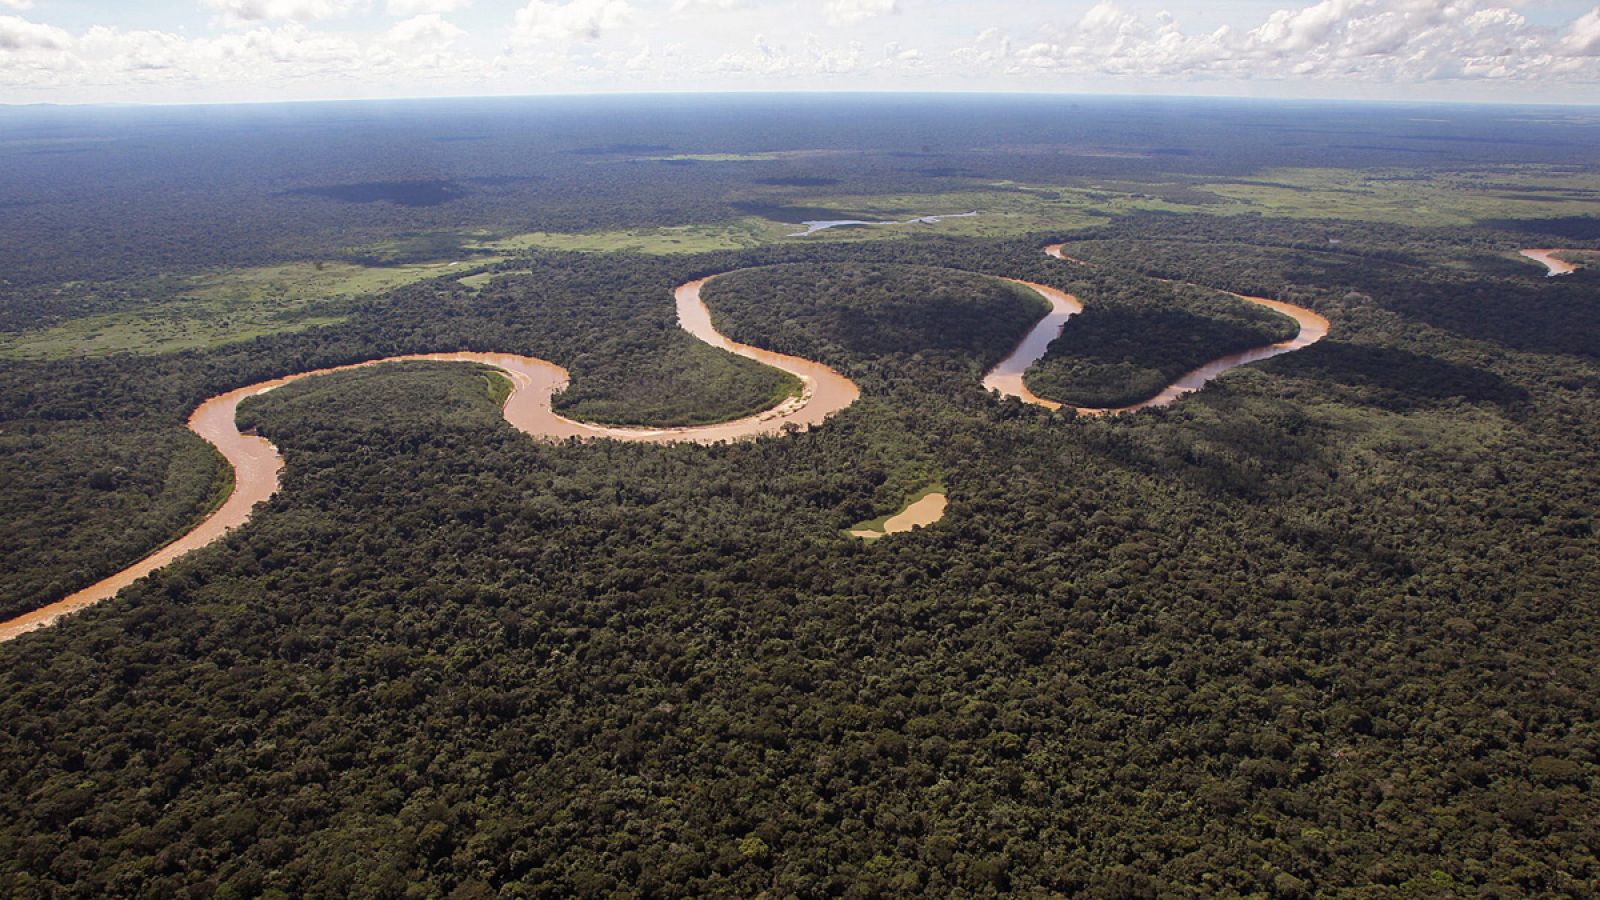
{"x":1583,"y":228}
{"x":1399,"y":379}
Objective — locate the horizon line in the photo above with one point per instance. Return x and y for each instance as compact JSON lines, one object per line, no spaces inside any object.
{"x":844,"y":92}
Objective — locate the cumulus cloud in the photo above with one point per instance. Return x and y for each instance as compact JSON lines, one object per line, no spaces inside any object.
{"x":247,"y":12}
{"x":19,"y":35}
{"x":270,"y":56}
{"x":425,"y":7}
{"x":1366,"y":40}
{"x":1583,"y":35}
{"x":849,"y":12}
{"x":429,"y":30}
{"x":782,"y":61}
{"x":553,"y":44}
{"x":554,"y":22}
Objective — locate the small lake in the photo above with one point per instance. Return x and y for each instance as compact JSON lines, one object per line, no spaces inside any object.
{"x":816,"y":225}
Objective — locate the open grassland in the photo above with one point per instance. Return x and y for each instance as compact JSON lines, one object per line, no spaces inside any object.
{"x":732,"y":235}
{"x":481,"y":280}
{"x":1398,"y":196}
{"x":1413,"y":197}
{"x":219,"y":307}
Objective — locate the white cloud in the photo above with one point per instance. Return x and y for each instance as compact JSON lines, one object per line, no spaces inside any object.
{"x":780,"y":61}
{"x":693,"y":6}
{"x":18,"y":34}
{"x":550,"y":21}
{"x":247,"y":12}
{"x":849,"y":12}
{"x":1330,"y":47}
{"x":1375,"y":41}
{"x":17,"y":4}
{"x":1583,"y":35}
{"x":425,"y":7}
{"x":430,"y":30}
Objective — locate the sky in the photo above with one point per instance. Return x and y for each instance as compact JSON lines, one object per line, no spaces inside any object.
{"x":191,"y":51}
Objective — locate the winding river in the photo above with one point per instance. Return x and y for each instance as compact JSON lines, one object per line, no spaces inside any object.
{"x":1006,"y":377}
{"x":256,"y":462}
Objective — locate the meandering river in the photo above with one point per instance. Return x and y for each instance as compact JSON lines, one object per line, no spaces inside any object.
{"x":256,"y":462}
{"x":1006,"y":377}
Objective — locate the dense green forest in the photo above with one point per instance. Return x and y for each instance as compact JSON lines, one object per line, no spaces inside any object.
{"x":847,"y":314}
{"x":85,"y":498}
{"x":1133,"y":338}
{"x":1327,"y":625}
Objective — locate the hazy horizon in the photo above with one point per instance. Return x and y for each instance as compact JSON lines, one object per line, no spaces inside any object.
{"x":1085,"y":96}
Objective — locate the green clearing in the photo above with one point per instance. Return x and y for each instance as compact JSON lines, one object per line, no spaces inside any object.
{"x":732,"y":235}
{"x":1397,"y":196}
{"x":220,"y":307}
{"x":877,"y":523}
{"x":1413,"y":197}
{"x":481,"y":280}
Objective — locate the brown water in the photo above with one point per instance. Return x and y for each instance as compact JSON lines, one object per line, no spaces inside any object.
{"x":256,"y":462}
{"x":921,"y":512}
{"x":1007,"y":376}
{"x":1547,"y":257}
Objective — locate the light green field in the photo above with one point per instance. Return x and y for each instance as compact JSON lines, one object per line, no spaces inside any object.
{"x":1409,"y":197}
{"x":732,"y":235}
{"x":481,"y":280}
{"x":312,"y":280}
{"x":219,"y":307}
{"x":1399,"y":196}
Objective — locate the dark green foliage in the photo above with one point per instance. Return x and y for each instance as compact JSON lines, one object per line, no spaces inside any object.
{"x":84,"y":500}
{"x":846,"y":313}
{"x":1133,"y":339}
{"x":682,"y":382}
{"x":1326,"y":626}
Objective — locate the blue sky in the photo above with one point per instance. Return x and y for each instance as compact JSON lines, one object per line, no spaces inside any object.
{"x":72,"y":51}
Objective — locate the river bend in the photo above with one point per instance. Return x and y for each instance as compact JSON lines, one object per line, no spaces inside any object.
{"x":257,"y":464}
{"x":1006,"y":377}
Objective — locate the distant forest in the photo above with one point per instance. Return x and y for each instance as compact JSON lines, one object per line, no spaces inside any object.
{"x":107,"y":193}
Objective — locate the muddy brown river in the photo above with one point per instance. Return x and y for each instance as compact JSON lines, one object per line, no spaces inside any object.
{"x":256,"y":462}
{"x":1547,"y":257}
{"x":1007,"y":376}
